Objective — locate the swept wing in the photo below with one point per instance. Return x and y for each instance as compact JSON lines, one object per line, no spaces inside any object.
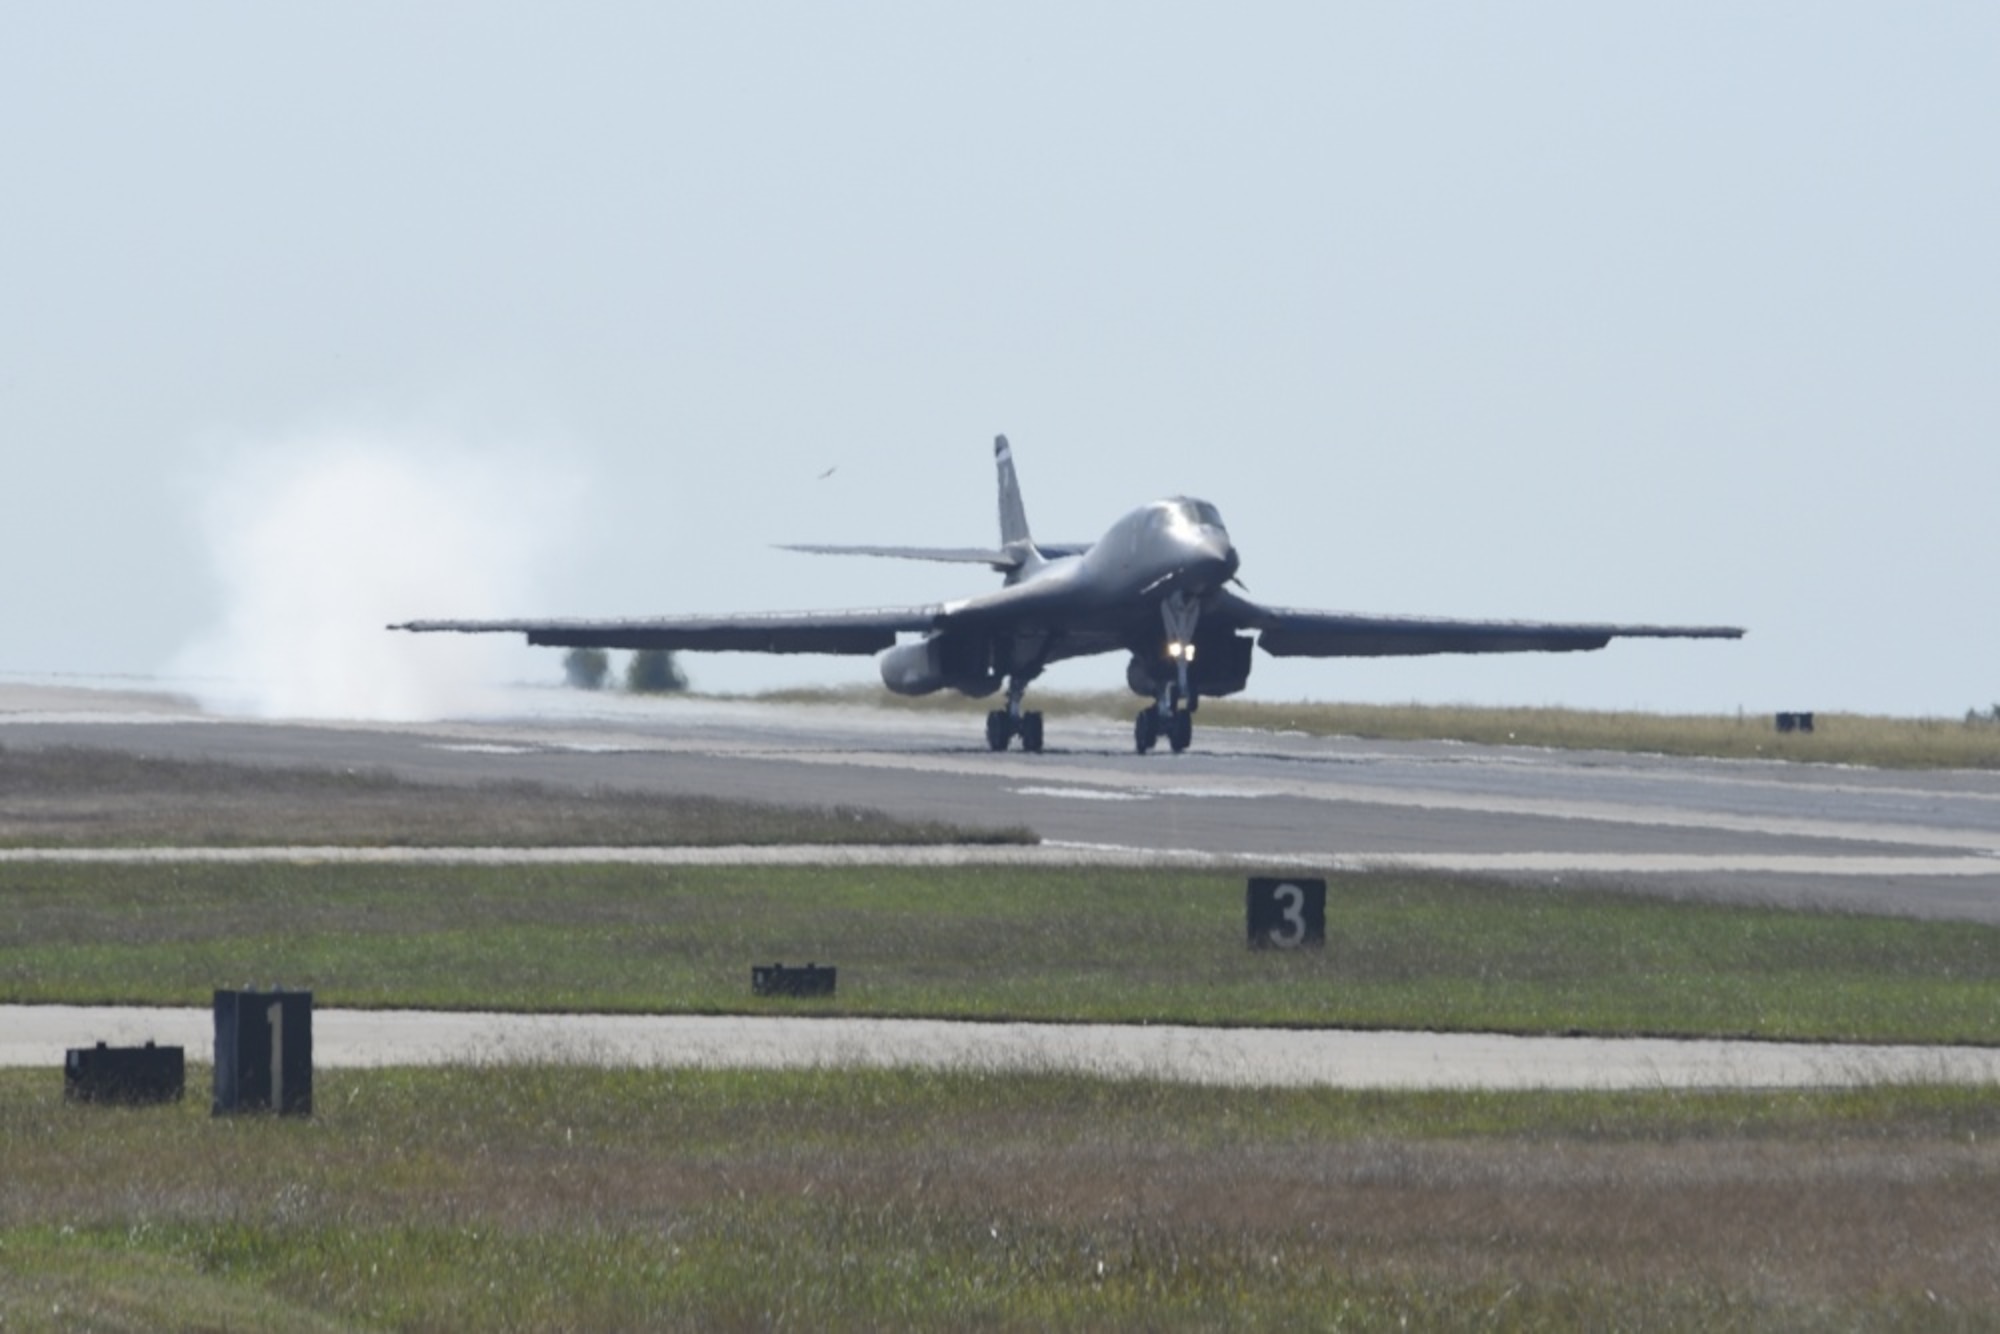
{"x":862,"y":631}
{"x":1288,"y":632}
{"x":865,"y":631}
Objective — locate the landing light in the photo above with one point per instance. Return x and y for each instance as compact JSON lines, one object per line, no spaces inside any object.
{"x":1179,"y":651}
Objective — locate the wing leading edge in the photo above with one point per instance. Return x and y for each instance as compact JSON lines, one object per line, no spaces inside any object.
{"x":1287,"y":632}
{"x":868,"y":631}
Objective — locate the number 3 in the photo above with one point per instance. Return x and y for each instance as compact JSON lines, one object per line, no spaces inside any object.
{"x":1292,"y":901}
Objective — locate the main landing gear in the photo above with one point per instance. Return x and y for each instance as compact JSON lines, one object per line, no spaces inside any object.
{"x":1003,"y":725}
{"x":1002,"y":728}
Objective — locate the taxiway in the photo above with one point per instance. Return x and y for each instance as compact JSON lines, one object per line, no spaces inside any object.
{"x":38,"y":1035}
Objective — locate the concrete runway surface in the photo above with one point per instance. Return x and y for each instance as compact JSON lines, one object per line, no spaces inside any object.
{"x":1919,"y":844}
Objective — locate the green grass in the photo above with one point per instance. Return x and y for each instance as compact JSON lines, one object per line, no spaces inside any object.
{"x":1837,"y":738}
{"x":538,"y":1198}
{"x":1403,"y":950}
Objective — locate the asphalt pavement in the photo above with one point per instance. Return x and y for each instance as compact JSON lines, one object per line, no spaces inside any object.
{"x":1921,"y":844}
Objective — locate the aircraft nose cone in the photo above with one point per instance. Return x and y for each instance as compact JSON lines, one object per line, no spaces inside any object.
{"x":1218,"y":551}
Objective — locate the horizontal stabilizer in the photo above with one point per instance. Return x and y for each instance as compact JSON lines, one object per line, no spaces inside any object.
{"x":998,"y":559}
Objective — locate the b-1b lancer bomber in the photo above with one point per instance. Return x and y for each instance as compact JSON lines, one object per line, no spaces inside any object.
{"x":1156,"y":586}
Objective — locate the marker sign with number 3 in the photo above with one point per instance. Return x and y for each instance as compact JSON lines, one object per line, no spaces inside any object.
{"x":1286,"y":914}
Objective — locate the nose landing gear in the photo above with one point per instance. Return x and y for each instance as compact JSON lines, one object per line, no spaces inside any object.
{"x":1166,"y":720}
{"x":1173,"y":716}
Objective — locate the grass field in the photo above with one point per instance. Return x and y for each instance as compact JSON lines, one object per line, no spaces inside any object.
{"x":1403,"y":950}
{"x":540,"y":1198}
{"x":1971,"y":742}
{"x":553,"y":1197}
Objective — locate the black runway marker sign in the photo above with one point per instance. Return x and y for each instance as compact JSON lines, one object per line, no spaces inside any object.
{"x":1286,"y":914}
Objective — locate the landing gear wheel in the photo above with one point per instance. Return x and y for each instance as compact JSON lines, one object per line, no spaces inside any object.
{"x":1146,"y":731}
{"x":1180,"y":732}
{"x":999,"y":730}
{"x":1031,"y":733}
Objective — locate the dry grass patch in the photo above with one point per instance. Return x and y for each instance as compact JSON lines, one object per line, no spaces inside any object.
{"x":82,"y":797}
{"x":543,"y":1197}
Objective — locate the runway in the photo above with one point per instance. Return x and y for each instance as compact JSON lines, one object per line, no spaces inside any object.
{"x":1910,"y":843}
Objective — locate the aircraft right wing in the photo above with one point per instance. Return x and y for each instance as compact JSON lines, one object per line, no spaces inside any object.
{"x":1287,"y":632}
{"x":867,"y":631}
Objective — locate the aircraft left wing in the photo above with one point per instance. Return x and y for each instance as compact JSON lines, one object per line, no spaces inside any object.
{"x":1287,"y":632}
{"x":868,"y":631}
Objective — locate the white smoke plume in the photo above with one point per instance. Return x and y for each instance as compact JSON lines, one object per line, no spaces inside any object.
{"x":318,"y":545}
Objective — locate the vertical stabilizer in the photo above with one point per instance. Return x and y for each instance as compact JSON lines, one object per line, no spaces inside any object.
{"x":1013,"y":515}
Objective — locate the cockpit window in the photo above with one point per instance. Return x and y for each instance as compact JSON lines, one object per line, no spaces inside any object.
{"x":1197,"y":512}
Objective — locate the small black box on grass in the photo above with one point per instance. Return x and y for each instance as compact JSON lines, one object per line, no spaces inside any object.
{"x":130,"y":1076}
{"x":263,"y":1052}
{"x":778,"y":980}
{"x":1286,"y":914}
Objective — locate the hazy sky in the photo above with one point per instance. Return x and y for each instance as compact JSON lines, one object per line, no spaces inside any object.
{"x":1668,"y":312}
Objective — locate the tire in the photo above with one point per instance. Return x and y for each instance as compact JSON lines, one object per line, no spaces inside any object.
{"x":1031,"y":733}
{"x":999,"y":730}
{"x":1146,"y":731}
{"x":1180,"y":732}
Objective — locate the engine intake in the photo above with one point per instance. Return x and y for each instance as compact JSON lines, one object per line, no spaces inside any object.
{"x":1221,"y":666}
{"x":954,"y":661}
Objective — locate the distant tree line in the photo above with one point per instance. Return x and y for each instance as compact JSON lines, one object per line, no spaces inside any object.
{"x":651,"y":671}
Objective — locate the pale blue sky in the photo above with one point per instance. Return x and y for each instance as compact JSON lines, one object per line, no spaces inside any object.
{"x":1680,"y":312}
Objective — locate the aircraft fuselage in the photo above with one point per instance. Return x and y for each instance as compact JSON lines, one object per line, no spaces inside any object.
{"x":1139,"y":588}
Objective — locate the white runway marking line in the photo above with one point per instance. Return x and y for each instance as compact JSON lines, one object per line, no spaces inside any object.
{"x":102,"y":720}
{"x":32,"y":1036}
{"x":1720,"y":863}
{"x":1080,"y":794}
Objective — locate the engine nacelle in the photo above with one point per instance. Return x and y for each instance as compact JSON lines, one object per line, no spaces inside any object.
{"x":964,"y":665}
{"x":1221,"y":666}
